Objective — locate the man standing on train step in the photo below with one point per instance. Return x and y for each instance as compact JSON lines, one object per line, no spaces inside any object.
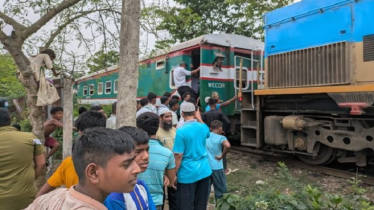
{"x":179,"y":75}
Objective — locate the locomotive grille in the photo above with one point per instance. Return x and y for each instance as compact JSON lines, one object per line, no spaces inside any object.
{"x":369,"y":48}
{"x":323,"y":65}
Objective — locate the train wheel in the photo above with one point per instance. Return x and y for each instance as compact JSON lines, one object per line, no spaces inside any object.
{"x":325,"y":155}
{"x":332,"y":158}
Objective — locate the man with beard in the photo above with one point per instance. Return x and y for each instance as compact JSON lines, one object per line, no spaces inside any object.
{"x":166,"y":134}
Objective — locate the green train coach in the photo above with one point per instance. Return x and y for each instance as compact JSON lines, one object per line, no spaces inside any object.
{"x":218,"y":56}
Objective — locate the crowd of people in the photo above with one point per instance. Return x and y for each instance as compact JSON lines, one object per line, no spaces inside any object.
{"x":174,"y":154}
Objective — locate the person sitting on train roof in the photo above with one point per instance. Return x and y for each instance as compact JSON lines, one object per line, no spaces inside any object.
{"x":219,"y":104}
{"x":179,"y":75}
{"x":151,"y":102}
{"x":111,"y":121}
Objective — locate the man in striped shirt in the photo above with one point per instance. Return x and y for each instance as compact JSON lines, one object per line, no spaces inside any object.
{"x":161,"y":160}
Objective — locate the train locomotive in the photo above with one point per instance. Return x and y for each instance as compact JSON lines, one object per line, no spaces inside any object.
{"x":319,"y":83}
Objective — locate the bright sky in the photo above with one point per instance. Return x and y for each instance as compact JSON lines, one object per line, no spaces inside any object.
{"x":150,"y":39}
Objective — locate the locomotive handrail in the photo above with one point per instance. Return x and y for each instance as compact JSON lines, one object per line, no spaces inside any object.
{"x":247,"y":81}
{"x":252,"y":86}
{"x":235,"y":66}
{"x":251,"y":80}
{"x":240,"y":79}
{"x":261,"y":71}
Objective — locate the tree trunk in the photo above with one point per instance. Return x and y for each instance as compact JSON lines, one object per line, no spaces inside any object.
{"x":68,"y":118}
{"x":128,"y":75}
{"x":14,"y":47}
{"x":19,"y":110}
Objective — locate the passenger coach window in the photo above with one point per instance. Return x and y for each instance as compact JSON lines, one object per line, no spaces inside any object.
{"x":92,"y":89}
{"x":85,"y":90}
{"x":108,"y":87}
{"x":171,"y":80}
{"x":100,"y":88}
{"x":160,"y":64}
{"x":115,"y":86}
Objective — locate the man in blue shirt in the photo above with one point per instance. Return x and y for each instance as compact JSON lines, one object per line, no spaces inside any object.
{"x":161,"y":159}
{"x":192,"y":166}
{"x":214,"y":148}
{"x":140,"y":197}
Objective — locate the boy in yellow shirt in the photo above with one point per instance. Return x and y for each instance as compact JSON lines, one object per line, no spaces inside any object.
{"x":65,"y":173}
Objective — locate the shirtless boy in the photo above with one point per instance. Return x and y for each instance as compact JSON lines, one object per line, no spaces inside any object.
{"x":50,"y":126}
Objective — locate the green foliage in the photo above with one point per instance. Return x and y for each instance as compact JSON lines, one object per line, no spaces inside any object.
{"x":101,"y":60}
{"x":107,"y":109}
{"x":58,"y":135}
{"x":10,"y":86}
{"x":299,"y":197}
{"x":24,"y":122}
{"x":196,"y":18}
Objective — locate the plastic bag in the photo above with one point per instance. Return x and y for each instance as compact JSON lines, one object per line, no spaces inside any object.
{"x":47,"y":93}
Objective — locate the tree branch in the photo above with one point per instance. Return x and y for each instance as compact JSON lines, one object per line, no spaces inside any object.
{"x":104,"y":28}
{"x":69,"y":21}
{"x":3,"y":36}
{"x":11,"y":21}
{"x":47,"y":17}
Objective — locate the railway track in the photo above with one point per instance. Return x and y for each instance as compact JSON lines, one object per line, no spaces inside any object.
{"x":320,"y":169}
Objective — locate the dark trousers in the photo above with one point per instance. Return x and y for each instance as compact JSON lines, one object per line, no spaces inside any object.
{"x":193,"y":196}
{"x":218,"y":179}
{"x":172,"y":198}
{"x":183,"y":89}
{"x":224,"y":160}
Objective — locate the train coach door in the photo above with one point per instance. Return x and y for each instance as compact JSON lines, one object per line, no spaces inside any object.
{"x":195,"y":58}
{"x":195,"y":61}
